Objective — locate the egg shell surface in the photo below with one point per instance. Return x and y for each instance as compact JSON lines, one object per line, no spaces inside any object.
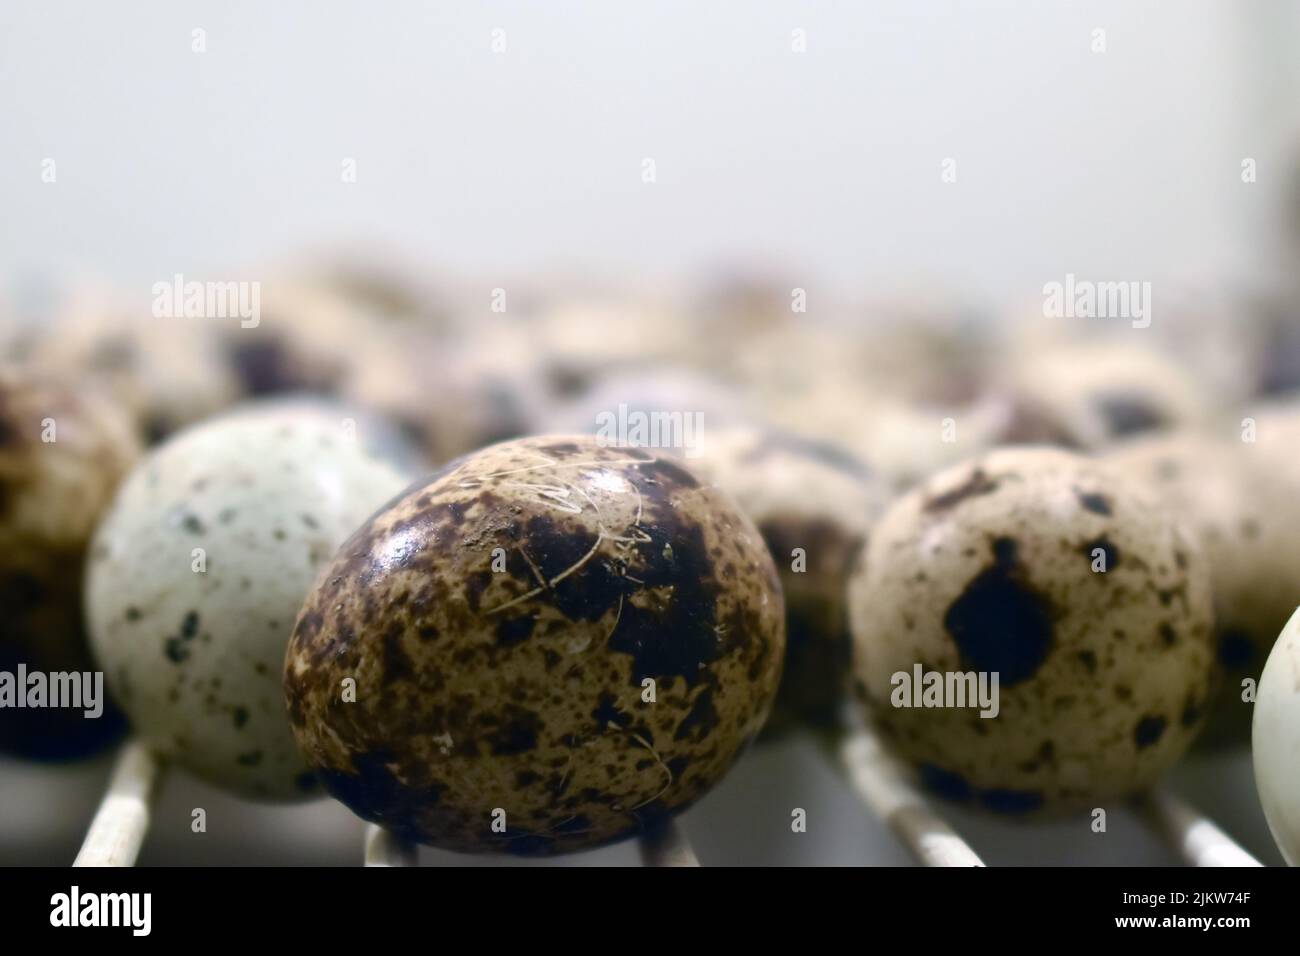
{"x":814,"y":505}
{"x":554,"y":644}
{"x":63,"y":451}
{"x":1276,"y":741}
{"x":995,"y":566}
{"x":198,"y":571}
{"x":1246,"y":512}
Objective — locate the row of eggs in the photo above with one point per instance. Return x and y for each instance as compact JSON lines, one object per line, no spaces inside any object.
{"x":1107,"y":677}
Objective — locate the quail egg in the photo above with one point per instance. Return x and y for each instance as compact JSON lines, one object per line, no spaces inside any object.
{"x":1077,"y":588}
{"x":308,"y":338}
{"x":1085,"y":395}
{"x":62,"y":454}
{"x":907,"y":442}
{"x":1276,"y":738}
{"x":198,"y":570}
{"x":548,"y":645}
{"x":164,"y":371}
{"x":1247,"y":515}
{"x":814,"y":505}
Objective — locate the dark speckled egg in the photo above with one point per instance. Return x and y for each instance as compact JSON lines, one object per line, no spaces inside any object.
{"x":544,"y":647}
{"x":1078,"y":588}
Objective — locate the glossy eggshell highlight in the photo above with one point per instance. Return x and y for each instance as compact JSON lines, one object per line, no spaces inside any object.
{"x":1104,"y":676}
{"x":521,"y":696}
{"x":199,"y":570}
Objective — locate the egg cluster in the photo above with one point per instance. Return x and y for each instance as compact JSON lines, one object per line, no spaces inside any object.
{"x":532,"y":582}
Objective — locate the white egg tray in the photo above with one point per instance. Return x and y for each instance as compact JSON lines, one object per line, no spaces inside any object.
{"x":863,"y":796}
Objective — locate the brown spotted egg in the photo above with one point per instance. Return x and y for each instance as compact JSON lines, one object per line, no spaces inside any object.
{"x":199,"y":568}
{"x":1244,"y":504}
{"x":1078,"y":588}
{"x":62,"y":453}
{"x":546,"y":646}
{"x":814,"y":505}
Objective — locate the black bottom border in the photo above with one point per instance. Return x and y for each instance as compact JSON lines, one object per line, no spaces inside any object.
{"x":215,"y":905}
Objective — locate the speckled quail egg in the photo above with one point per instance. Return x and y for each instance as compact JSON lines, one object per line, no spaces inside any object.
{"x":1276,"y":741}
{"x":1246,"y":512}
{"x":1084,"y":395}
{"x":1078,"y":588}
{"x":308,"y":339}
{"x":198,"y":570}
{"x":814,"y":505}
{"x":62,"y":454}
{"x":165,"y":371}
{"x":908,"y":442}
{"x":548,"y":645}
{"x":904,"y":440}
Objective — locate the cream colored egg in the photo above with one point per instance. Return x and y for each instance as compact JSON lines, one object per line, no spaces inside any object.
{"x":1238,"y":497}
{"x":1077,"y":588}
{"x":1276,"y":739}
{"x":814,"y":504}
